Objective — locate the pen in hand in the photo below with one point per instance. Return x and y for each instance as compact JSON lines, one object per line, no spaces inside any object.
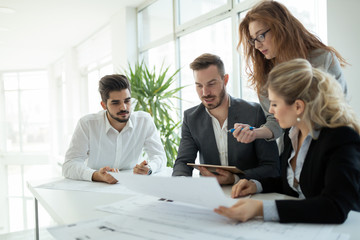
{"x":233,"y":129}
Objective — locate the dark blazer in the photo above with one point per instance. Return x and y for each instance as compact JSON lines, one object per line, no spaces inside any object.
{"x":258,"y":159}
{"x":329,"y":180}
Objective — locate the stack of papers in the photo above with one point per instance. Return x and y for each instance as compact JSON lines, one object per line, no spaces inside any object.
{"x":175,"y":208}
{"x":204,"y":191}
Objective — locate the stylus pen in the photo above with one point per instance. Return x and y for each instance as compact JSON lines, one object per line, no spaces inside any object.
{"x":233,"y":129}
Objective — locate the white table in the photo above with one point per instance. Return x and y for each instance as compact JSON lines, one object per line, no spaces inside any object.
{"x":66,"y":207}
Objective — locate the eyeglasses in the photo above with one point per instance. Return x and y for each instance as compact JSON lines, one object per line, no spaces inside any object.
{"x":259,"y":38}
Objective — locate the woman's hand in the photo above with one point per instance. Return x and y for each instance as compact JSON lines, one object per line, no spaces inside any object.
{"x":242,"y":188}
{"x":244,"y":133}
{"x":243,"y":210}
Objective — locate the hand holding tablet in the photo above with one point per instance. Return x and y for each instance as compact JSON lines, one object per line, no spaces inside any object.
{"x":212,"y":168}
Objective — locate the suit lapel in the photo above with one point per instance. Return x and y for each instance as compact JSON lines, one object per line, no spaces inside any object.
{"x":233,"y":117}
{"x":307,"y":169}
{"x":284,"y":165}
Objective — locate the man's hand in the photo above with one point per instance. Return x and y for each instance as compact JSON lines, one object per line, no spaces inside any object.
{"x":103,"y":176}
{"x":242,"y":188}
{"x":222,"y":176}
{"x":141,"y":168}
{"x":243,"y":210}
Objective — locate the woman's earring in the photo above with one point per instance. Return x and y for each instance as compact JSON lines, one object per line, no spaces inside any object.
{"x":298,"y":119}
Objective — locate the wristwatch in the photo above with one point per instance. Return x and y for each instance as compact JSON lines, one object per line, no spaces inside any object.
{"x":150,"y":171}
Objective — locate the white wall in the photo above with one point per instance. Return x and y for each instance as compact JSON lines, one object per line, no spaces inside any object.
{"x":344,"y":35}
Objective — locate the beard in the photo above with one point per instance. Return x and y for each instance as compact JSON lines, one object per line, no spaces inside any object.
{"x":216,"y":104}
{"x":121,"y":120}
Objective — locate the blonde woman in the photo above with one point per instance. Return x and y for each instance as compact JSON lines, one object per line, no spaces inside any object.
{"x":321,"y":158}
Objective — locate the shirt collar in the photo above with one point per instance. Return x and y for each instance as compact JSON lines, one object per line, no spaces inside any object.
{"x":316,"y":133}
{"x":108,"y":126}
{"x":294,"y":132}
{"x":208,"y":112}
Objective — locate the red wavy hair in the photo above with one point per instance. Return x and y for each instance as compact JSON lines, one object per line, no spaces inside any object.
{"x":290,"y":40}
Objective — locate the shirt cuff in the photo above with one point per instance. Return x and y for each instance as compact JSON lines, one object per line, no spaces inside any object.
{"x":274,"y":128}
{"x":268,"y":139}
{"x":270,"y":211}
{"x":87,"y":175}
{"x":237,"y":178}
{"x":259,"y":188}
{"x":154,"y":167}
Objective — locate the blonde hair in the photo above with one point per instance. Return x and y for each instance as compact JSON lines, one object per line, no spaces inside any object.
{"x":325,"y":104}
{"x":290,"y":40}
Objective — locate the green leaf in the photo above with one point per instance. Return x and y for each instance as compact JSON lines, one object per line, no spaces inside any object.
{"x":152,"y":92}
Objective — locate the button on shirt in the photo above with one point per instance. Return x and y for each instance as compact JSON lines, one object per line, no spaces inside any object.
{"x":294,"y":177}
{"x":97,"y":142}
{"x":221,"y":137}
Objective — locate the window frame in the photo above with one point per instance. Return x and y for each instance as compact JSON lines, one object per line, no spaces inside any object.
{"x":232,"y":10}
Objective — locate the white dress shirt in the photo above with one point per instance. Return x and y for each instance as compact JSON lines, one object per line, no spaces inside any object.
{"x":96,"y":144}
{"x":221,"y":137}
{"x":292,"y":176}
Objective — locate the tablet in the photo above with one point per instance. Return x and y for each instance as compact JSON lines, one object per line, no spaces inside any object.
{"x":212,"y":168}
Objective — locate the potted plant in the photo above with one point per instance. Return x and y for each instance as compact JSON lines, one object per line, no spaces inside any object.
{"x":153,"y":92}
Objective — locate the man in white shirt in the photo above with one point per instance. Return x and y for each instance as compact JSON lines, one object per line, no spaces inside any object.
{"x":205,"y":129}
{"x":114,"y":138}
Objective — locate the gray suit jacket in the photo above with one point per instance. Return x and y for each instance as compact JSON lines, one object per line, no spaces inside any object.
{"x":258,"y":159}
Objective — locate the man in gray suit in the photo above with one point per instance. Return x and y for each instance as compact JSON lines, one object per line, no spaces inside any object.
{"x":205,"y":129}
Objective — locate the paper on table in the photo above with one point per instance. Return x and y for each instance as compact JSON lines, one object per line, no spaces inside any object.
{"x":206,"y":221}
{"x":136,"y":227}
{"x":86,"y":186}
{"x":203,"y":191}
{"x":172,"y":213}
{"x":116,"y":227}
{"x":146,"y":217}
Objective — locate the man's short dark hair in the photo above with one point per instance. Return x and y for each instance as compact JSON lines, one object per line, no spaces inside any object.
{"x":114,"y":82}
{"x":207,"y":59}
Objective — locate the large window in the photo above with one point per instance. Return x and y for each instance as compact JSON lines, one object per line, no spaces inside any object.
{"x":208,"y":26}
{"x":311,"y":14}
{"x":160,"y":55}
{"x":204,"y":40}
{"x":189,"y":9}
{"x":26,"y":112}
{"x":155,"y":22}
{"x":25,"y":144}
{"x":95,"y":73}
{"x":94,"y":61}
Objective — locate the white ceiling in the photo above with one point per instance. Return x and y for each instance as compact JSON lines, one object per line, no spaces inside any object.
{"x":40,"y":31}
